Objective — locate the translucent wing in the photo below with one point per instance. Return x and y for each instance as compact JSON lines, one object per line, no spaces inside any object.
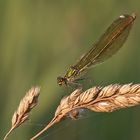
{"x":109,"y":43}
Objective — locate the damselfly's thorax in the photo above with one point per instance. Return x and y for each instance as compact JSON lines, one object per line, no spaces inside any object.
{"x":72,"y":73}
{"x":69,"y":77}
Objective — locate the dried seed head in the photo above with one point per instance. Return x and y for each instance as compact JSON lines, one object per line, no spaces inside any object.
{"x":106,"y":99}
{"x":29,"y":101}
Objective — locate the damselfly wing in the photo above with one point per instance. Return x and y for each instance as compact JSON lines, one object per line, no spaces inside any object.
{"x":108,"y":44}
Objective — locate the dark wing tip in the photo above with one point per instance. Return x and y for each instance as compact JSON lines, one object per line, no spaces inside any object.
{"x":133,"y":15}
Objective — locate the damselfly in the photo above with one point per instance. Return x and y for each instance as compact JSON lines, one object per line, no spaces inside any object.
{"x":108,"y":44}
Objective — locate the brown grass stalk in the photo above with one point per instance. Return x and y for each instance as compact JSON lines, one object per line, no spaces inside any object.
{"x":29,"y":101}
{"x":98,"y":99}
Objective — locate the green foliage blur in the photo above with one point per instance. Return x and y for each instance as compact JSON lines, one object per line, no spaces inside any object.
{"x":39,"y":40}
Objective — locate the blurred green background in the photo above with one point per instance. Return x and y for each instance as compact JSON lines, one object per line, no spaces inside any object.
{"x":39,"y":40}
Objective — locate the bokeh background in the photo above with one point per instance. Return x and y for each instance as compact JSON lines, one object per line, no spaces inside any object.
{"x":39,"y":40}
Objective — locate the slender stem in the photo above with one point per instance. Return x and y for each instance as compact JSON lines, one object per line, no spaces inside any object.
{"x":6,"y":136}
{"x":54,"y":120}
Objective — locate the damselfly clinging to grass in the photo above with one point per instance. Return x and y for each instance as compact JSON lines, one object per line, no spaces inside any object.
{"x":108,"y":44}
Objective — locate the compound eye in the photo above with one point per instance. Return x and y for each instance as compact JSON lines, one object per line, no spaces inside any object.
{"x":60,"y":81}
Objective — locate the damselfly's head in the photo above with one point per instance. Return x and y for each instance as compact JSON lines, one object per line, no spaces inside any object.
{"x":61,"y":81}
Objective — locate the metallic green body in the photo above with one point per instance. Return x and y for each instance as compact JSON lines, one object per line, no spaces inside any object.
{"x":108,"y":44}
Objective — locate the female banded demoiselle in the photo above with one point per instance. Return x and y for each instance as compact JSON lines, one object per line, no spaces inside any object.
{"x":108,"y":44}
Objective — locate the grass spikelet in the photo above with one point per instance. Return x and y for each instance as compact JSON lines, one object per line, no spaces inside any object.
{"x":29,"y":101}
{"x":98,"y":99}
